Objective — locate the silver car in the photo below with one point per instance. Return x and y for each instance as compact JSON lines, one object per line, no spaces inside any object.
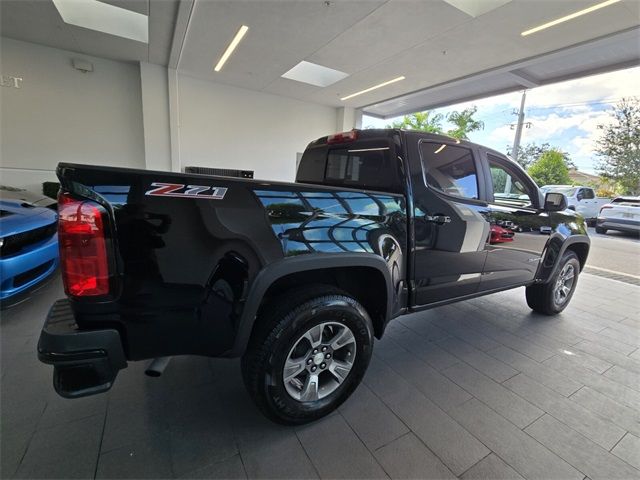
{"x":622,"y":214}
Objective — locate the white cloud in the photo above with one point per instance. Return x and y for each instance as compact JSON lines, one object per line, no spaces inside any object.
{"x":566,"y":114}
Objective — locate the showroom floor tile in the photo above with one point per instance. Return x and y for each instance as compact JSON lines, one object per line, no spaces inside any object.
{"x":480,"y":389}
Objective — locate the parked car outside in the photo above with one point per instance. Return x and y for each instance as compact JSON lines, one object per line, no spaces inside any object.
{"x":622,"y":214}
{"x":28,"y":241}
{"x":500,"y":235}
{"x":581,"y":199}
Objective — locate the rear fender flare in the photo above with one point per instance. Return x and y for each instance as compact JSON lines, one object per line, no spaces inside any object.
{"x":287,"y":266}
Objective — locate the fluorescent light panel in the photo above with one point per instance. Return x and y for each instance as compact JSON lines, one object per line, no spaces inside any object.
{"x":232,"y":46}
{"x":314,"y":74}
{"x":566,"y":18}
{"x":375,"y":87}
{"x":104,"y":18}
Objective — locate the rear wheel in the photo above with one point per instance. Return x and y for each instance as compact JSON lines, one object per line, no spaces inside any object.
{"x":308,"y":354}
{"x":601,"y":230}
{"x":553,"y":297}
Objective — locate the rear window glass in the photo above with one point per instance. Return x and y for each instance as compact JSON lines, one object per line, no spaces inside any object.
{"x":368,"y":166}
{"x":357,"y":166}
{"x":629,"y":201}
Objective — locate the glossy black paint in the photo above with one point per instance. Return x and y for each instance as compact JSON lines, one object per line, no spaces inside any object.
{"x":457,"y":260}
{"x":190,"y":270}
{"x":185,"y":266}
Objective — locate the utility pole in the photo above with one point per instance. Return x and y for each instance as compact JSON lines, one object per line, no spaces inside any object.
{"x":516,"y":141}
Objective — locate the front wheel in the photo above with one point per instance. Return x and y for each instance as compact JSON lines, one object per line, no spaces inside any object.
{"x":308,"y":353}
{"x":601,"y":230}
{"x":553,"y":297}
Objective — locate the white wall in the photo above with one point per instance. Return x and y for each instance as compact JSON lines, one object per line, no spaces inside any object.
{"x":61,"y":114}
{"x":228,"y":127}
{"x":143,"y":116}
{"x":155,"y":112}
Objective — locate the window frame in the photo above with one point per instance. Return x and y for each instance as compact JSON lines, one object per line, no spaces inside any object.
{"x":475,"y":156}
{"x":515,"y":171}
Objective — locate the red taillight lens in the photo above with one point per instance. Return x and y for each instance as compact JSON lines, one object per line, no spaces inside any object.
{"x":342,"y":137}
{"x":83,"y":251}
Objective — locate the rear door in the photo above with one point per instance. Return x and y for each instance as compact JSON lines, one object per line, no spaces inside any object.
{"x":449,"y":221}
{"x":587,"y":203}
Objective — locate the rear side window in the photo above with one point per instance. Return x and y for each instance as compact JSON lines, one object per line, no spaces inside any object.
{"x":450,"y":169}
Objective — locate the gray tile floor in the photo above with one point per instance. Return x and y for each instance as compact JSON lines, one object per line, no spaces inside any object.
{"x":480,"y":389}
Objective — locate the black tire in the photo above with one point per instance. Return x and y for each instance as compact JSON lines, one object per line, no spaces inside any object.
{"x":601,"y":230}
{"x":541,"y":298}
{"x":279,"y":328}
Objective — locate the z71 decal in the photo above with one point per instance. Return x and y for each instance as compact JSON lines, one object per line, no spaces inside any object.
{"x":186,"y":191}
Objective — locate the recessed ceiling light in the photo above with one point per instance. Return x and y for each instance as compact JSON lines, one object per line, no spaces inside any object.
{"x":571,"y":16}
{"x":232,"y":46}
{"x":104,"y":18}
{"x":314,"y":74}
{"x":375,"y":87}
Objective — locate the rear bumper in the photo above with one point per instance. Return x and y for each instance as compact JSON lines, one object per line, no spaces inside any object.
{"x":622,"y":224}
{"x":85,"y":362}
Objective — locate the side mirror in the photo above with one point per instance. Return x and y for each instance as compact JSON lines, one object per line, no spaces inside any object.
{"x":555,"y":202}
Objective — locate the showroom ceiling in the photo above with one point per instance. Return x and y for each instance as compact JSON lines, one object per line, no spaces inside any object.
{"x":39,"y":21}
{"x":447,"y":51}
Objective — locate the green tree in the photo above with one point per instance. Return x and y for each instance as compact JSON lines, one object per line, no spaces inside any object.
{"x":531,"y":152}
{"x":619,"y":146}
{"x":463,"y":123}
{"x":550,"y":169}
{"x":422,"y":121}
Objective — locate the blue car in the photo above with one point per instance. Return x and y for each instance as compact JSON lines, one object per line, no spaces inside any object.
{"x":28,"y":241}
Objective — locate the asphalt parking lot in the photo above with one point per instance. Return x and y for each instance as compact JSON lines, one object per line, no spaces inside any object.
{"x":615,"y":253}
{"x":479,"y":389}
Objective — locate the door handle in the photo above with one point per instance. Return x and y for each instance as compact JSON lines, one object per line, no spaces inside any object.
{"x":438,"y":219}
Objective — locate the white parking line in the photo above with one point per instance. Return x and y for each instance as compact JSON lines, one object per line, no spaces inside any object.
{"x":613,"y":271}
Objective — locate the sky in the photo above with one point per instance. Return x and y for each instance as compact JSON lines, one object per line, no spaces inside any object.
{"x":565,"y":115}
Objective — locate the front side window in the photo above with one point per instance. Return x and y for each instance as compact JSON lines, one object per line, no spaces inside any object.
{"x":508,"y":187}
{"x":588,"y":194}
{"x":450,"y":169}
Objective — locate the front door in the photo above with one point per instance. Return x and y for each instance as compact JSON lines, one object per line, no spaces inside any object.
{"x":519,"y":229}
{"x":449,"y":223}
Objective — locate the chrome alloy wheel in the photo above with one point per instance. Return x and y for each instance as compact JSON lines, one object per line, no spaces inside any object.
{"x":564,"y":284}
{"x":319,"y":361}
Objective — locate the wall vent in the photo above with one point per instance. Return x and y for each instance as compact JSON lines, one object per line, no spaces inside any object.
{"x":221,"y":172}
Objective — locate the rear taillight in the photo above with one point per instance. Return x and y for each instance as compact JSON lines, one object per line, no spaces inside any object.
{"x":342,"y":137}
{"x":83,"y":251}
{"x":605,"y":208}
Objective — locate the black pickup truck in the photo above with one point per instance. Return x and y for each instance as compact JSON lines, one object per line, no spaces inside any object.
{"x":296,"y":278}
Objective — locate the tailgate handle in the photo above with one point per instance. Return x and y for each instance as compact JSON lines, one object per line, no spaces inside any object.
{"x":438,"y":219}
